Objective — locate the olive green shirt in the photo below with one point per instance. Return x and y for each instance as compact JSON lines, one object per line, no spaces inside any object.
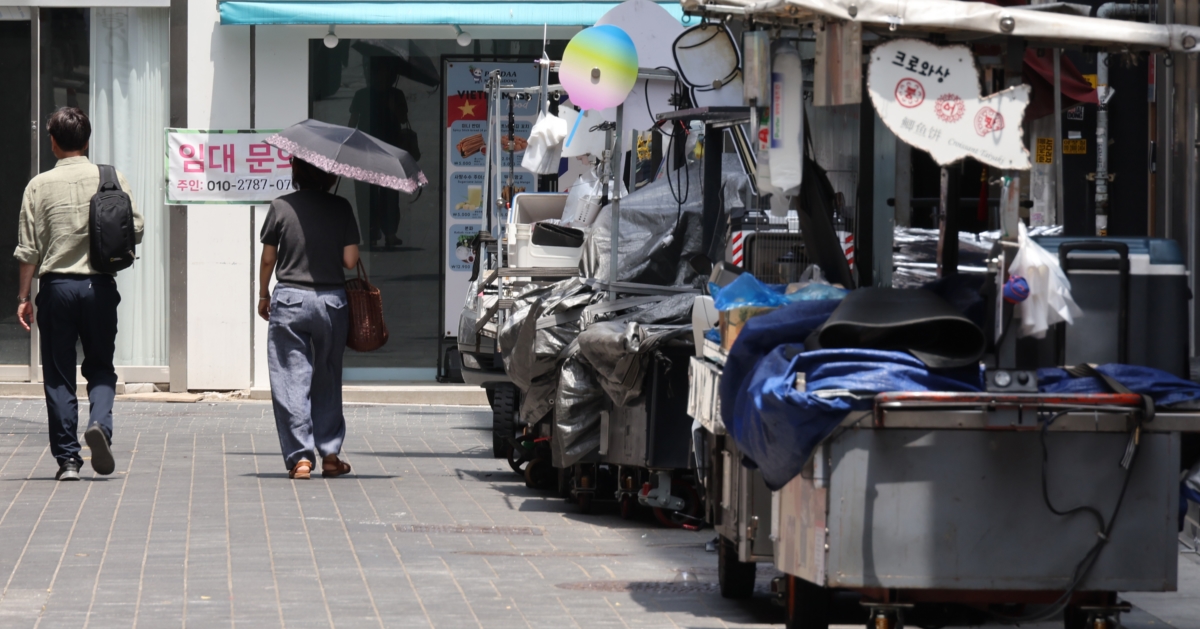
{"x":52,"y":232}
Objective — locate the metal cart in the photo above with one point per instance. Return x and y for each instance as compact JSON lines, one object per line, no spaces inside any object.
{"x":961,"y":498}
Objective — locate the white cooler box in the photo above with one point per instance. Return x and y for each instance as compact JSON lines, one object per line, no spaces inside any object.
{"x":529,"y":208}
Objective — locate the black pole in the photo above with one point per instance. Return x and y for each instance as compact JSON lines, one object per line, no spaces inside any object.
{"x":948,"y":215}
{"x":864,"y":222}
{"x":714,"y":146}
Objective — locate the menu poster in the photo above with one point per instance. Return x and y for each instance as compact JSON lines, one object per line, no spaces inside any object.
{"x":465,"y":159}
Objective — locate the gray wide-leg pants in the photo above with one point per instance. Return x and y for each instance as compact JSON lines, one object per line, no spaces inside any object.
{"x":306,"y":339}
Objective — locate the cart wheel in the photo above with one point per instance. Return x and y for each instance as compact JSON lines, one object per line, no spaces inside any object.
{"x":880,"y":620}
{"x":504,"y":413}
{"x":518,"y":459}
{"x":564,"y":482}
{"x":539,"y":474}
{"x":584,"y":498}
{"x":627,"y":505}
{"x":735,"y":577}
{"x":1075,"y":618}
{"x":808,"y":607}
{"x":691,"y":504}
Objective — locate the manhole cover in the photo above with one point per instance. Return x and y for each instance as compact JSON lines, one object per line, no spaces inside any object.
{"x":463,"y":529}
{"x":550,"y":553}
{"x":651,"y":587}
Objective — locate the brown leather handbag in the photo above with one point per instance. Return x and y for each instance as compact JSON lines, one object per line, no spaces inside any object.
{"x":368,"y":332}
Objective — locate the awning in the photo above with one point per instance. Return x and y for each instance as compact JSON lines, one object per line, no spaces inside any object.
{"x":1038,"y":74}
{"x":326,"y":12}
{"x":956,"y":18}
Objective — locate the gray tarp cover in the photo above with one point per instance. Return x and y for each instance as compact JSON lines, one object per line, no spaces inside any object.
{"x":573,"y":375}
{"x":657,"y":238}
{"x":531,"y":355}
{"x":607,"y":365}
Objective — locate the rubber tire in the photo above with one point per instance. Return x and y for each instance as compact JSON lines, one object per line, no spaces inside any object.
{"x":504,"y":414}
{"x":810,"y":605}
{"x":736,"y":578}
{"x":627,"y":507}
{"x":540,"y":475}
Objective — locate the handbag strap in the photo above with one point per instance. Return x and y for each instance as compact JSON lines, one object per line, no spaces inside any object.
{"x":362,"y":273}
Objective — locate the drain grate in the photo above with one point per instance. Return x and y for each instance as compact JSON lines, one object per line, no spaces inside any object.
{"x":463,"y":529}
{"x":549,"y":553}
{"x":650,"y":587}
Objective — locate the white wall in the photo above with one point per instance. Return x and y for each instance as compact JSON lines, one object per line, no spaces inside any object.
{"x":281,"y":100}
{"x":226,"y":339}
{"x":220,"y":297}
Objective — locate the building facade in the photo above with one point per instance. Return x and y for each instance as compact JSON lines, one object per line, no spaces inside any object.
{"x":137,"y":67}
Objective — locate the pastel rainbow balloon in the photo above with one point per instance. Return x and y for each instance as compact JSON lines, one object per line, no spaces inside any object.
{"x":607,"y":49}
{"x":599,"y":69}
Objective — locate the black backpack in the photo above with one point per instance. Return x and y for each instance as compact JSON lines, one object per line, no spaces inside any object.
{"x":110,"y":225}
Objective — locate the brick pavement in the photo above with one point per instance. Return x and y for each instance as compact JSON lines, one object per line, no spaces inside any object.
{"x":201,"y":527}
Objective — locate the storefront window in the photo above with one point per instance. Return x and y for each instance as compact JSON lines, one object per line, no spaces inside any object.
{"x":388,"y":87}
{"x":15,"y":160}
{"x":113,"y":64}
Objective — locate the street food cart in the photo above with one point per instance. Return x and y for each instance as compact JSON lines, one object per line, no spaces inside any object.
{"x":613,"y":427}
{"x":1013,"y":497}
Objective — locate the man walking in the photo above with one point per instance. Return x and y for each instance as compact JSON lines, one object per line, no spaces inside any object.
{"x":74,"y":302}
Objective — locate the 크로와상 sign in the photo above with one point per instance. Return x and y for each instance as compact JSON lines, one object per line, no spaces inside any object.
{"x":929,"y":97}
{"x":230,"y":167}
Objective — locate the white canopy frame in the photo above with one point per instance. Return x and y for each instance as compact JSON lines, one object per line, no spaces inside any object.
{"x":1060,"y":27}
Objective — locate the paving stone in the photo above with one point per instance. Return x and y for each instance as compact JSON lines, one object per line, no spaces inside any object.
{"x":200,"y":526}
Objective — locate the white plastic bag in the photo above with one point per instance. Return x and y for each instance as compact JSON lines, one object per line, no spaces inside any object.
{"x":545,"y":145}
{"x":1049,"y":300}
{"x":585,"y":191}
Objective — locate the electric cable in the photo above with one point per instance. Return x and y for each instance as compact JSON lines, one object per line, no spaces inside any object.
{"x":1085,"y":565}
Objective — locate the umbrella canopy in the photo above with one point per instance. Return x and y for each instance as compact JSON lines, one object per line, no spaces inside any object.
{"x":351,"y":153}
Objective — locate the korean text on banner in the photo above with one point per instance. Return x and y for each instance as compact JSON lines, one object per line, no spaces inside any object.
{"x":929,"y":97}
{"x":231,"y":167}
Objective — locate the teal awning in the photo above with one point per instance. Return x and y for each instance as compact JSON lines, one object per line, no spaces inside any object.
{"x":400,"y":12}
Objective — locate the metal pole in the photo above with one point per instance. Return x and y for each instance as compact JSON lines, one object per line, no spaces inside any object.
{"x":1058,"y":134}
{"x":613,"y":164}
{"x":947,"y":259}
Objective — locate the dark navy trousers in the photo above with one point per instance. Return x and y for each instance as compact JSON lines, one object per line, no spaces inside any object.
{"x":73,"y":308}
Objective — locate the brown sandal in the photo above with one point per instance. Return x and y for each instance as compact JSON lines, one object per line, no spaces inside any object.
{"x":332,"y":467}
{"x":301,"y":470}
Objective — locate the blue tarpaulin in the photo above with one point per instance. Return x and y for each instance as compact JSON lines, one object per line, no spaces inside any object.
{"x":777,"y":426}
{"x":760,"y":335}
{"x":1165,"y":388}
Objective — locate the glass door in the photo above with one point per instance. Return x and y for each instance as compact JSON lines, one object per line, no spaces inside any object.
{"x":18,"y":133}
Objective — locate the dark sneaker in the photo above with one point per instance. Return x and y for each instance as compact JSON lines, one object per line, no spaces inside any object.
{"x":102,"y":457}
{"x":67,"y":471}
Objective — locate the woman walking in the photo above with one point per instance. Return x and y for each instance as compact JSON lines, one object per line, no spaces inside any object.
{"x":308,"y":237}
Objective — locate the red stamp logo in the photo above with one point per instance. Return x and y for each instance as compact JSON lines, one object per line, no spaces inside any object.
{"x":949,"y":108}
{"x":987,"y":121}
{"x":910,"y":93}
{"x":764,"y":136}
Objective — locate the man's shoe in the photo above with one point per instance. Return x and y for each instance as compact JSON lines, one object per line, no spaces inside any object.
{"x":102,"y":457}
{"x":68,"y":471}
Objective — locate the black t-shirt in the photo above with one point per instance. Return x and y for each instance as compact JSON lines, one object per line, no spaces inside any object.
{"x":311,"y":229}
